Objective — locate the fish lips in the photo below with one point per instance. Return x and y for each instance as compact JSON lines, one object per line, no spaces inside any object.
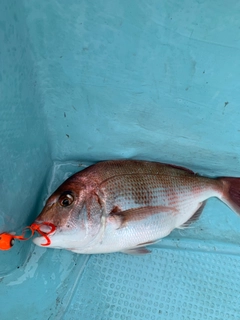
{"x":41,"y":241}
{"x":46,"y":230}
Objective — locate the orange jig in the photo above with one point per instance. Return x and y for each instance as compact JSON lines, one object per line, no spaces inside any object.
{"x":7,"y":239}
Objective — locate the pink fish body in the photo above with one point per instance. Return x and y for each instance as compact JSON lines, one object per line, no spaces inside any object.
{"x":125,"y":205}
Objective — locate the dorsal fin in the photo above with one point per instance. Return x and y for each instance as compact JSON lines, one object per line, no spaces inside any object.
{"x":180,"y":168}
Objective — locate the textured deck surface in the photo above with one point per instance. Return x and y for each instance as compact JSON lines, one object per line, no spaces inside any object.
{"x":168,"y":284}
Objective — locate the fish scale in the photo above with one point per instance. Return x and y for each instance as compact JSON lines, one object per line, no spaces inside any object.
{"x":123,"y":205}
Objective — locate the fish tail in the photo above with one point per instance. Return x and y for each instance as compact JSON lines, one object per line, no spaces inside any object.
{"x":231,"y":193}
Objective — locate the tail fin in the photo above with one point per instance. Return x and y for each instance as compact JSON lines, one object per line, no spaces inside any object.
{"x":231,"y":193}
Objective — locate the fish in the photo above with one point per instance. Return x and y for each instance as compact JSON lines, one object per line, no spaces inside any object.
{"x":126,"y":205}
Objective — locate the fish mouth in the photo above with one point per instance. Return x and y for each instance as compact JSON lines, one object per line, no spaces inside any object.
{"x":46,"y":230}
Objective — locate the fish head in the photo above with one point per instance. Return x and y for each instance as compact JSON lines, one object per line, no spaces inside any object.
{"x":72,"y":212}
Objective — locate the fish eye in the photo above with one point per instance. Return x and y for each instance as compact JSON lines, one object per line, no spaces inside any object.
{"x":66,"y":199}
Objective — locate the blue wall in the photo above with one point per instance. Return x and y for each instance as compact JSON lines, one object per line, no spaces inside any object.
{"x":146,"y":79}
{"x":23,"y":136}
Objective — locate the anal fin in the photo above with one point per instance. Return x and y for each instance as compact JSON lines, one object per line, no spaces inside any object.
{"x":194,"y":217}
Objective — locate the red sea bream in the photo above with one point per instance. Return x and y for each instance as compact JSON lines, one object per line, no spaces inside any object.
{"x":125,"y":205}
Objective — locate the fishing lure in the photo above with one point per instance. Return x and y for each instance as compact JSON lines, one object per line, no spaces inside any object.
{"x":7,"y":239}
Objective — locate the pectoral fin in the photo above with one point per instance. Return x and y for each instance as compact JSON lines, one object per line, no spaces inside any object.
{"x":141,"y":213}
